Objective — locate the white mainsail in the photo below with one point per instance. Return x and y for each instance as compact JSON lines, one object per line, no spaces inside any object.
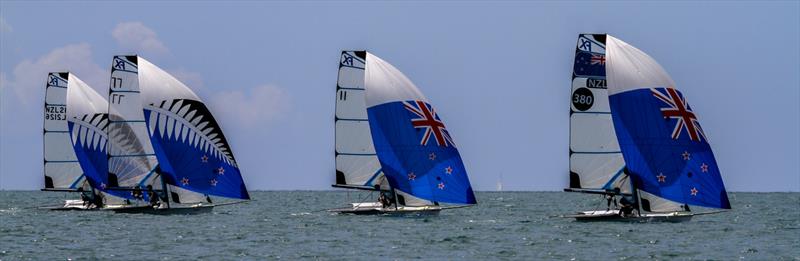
{"x":356,"y":161}
{"x":596,"y":162}
{"x":131,"y":157}
{"x":61,"y":168}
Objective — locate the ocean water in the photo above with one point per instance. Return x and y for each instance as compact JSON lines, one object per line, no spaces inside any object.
{"x":293,"y":225}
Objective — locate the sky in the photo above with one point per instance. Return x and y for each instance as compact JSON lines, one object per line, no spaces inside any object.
{"x":498,"y":72}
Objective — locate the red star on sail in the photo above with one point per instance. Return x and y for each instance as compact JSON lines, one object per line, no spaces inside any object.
{"x":412,"y":176}
{"x":694,"y":191}
{"x":221,"y":171}
{"x":686,"y":155}
{"x":448,"y":170}
{"x":185,"y":181}
{"x":661,"y":178}
{"x":213,"y":182}
{"x":441,"y":185}
{"x":704,"y":167}
{"x":204,"y":158}
{"x":432,"y":156}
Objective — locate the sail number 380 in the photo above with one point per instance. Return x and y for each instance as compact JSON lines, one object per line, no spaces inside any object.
{"x":582,"y":99}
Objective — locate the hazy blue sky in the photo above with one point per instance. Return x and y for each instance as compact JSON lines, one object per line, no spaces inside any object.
{"x":498,"y":73}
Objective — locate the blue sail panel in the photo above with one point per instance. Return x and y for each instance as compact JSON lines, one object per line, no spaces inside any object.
{"x":93,"y":158}
{"x":417,"y":154}
{"x":664,"y":147}
{"x":191,"y":150}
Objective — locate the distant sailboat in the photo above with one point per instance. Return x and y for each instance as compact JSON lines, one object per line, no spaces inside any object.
{"x":179,"y":148}
{"x":390,"y":139}
{"x":633,"y":135}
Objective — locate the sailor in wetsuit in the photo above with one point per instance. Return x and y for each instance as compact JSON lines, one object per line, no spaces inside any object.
{"x":154,"y":199}
{"x":627,"y":207}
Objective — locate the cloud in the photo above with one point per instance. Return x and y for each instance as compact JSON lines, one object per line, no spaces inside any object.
{"x":192,"y":79}
{"x":5,"y":27}
{"x":138,"y":38}
{"x":252,"y":108}
{"x":28,"y":77}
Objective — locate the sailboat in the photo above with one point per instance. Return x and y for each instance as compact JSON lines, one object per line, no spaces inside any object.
{"x":62,"y":171}
{"x":633,"y":135}
{"x":168,"y":143}
{"x":87,"y":119}
{"x":390,"y":139}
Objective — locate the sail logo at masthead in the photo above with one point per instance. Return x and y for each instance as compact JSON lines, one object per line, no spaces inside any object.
{"x":429,"y":120}
{"x":678,"y":109}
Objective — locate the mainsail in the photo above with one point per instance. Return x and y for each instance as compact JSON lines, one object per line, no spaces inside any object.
{"x":665,"y":149}
{"x":356,"y":162}
{"x":61,"y":168}
{"x":596,"y":163}
{"x":87,"y":119}
{"x":131,"y":161}
{"x":416,"y":152}
{"x":192,"y":152}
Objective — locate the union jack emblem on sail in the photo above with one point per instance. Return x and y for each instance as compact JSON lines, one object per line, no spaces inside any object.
{"x":598,"y":59}
{"x":678,"y":109}
{"x":429,"y":120}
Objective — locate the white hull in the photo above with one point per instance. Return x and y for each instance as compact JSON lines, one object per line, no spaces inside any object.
{"x":77,"y":204}
{"x":375,"y":208}
{"x":613,"y":215}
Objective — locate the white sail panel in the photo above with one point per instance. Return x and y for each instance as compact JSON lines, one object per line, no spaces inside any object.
{"x":632,"y":69}
{"x":352,"y":77}
{"x":353,"y":132}
{"x":351,"y":105}
{"x":388,"y":84}
{"x":356,"y":162}
{"x":592,"y":133}
{"x":360,"y":170}
{"x":597,"y":169}
{"x":61,"y":167}
{"x":653,"y":203}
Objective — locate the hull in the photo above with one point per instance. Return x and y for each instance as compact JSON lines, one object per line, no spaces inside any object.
{"x":613,"y":216}
{"x":193,"y":210}
{"x":374,"y":208}
{"x":79,"y":205}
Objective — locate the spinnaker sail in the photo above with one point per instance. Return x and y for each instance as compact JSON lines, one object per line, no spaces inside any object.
{"x":416,"y":152}
{"x":87,"y":120}
{"x":192,"y":153}
{"x":665,"y":149}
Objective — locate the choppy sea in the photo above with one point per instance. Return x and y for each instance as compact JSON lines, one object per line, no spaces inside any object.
{"x":293,"y":225}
